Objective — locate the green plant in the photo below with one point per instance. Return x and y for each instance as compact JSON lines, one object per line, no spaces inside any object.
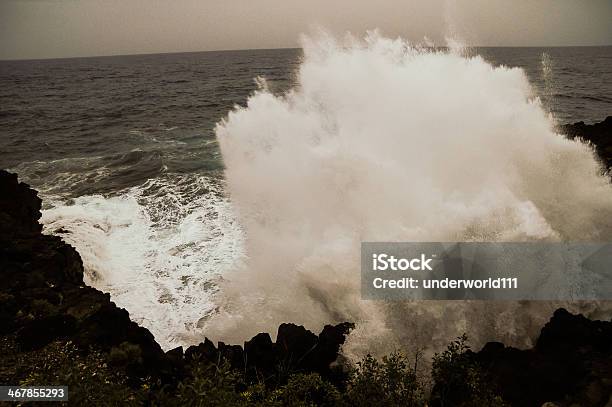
{"x":210,"y":385}
{"x":124,"y":354}
{"x":305,"y":390}
{"x":90,"y":381}
{"x":390,"y":382}
{"x":459,"y":380}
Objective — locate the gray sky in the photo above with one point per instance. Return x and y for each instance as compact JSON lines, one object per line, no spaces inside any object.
{"x":65,"y":28}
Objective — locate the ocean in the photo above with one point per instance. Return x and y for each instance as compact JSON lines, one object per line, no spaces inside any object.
{"x":125,"y":153}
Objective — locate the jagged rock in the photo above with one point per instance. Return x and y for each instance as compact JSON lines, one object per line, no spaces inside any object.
{"x":600,"y":134}
{"x":260,"y":352}
{"x":177,"y":358}
{"x":19,"y":207}
{"x":293,"y":338}
{"x":570,"y":364}
{"x":330,"y":341}
{"x":232,"y":353}
{"x":296,"y":350}
{"x":205,"y":350}
{"x":566,"y":331}
{"x":41,"y":331}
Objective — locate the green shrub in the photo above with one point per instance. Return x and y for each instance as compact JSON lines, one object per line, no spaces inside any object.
{"x":210,"y":385}
{"x":96,"y":378}
{"x":459,"y":381}
{"x":90,"y":381}
{"x":390,"y":382}
{"x":305,"y":390}
{"x":125,"y":354}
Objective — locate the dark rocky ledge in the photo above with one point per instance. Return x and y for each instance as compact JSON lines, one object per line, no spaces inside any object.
{"x":43,"y":298}
{"x":599,"y":134}
{"x":570,"y":365}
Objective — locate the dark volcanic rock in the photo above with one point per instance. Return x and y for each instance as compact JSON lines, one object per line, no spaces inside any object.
{"x":296,"y":350}
{"x":566,"y":332}
{"x":260,"y":351}
{"x":205,"y":350}
{"x":295,"y":340}
{"x":19,"y":207}
{"x":571,"y":364}
{"x":232,"y":353}
{"x":39,"y":332}
{"x":600,"y":134}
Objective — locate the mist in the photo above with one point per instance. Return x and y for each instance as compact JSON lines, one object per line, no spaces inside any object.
{"x":384,"y":140}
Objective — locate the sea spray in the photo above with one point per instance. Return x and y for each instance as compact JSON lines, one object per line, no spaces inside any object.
{"x":384,"y":141}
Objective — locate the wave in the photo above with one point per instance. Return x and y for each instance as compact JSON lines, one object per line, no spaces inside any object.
{"x":159,"y":249}
{"x":76,"y":176}
{"x":381,"y":140}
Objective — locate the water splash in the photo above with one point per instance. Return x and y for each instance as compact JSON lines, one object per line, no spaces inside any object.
{"x":385,"y":141}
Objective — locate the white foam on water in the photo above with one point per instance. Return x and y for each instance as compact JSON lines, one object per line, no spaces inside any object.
{"x":384,"y":141}
{"x":158,"y":249}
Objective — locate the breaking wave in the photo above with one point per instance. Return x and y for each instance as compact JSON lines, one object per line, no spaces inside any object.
{"x":381,"y":140}
{"x":159,"y":249}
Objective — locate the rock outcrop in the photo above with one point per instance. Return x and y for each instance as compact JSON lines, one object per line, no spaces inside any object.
{"x":296,"y":350}
{"x":600,"y":134}
{"x":571,"y":364}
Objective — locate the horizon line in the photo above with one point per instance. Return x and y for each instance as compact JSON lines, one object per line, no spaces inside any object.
{"x":270,"y":49}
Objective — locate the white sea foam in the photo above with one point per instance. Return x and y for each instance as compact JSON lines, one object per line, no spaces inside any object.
{"x":383,"y":141}
{"x":158,"y":249}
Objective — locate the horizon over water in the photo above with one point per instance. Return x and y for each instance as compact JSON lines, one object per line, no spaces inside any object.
{"x":125,"y":155}
{"x":276,"y":49}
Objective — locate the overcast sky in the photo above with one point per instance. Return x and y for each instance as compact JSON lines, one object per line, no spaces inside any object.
{"x":66,"y":28}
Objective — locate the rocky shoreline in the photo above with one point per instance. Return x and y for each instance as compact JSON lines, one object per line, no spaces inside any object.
{"x":43,"y":300}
